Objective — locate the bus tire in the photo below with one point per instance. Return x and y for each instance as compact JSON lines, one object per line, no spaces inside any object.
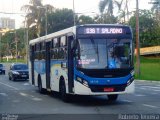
{"x":62,"y":89}
{"x":41,"y":90}
{"x":112,"y":98}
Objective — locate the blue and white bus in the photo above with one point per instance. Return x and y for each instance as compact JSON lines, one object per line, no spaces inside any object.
{"x":94,"y":59}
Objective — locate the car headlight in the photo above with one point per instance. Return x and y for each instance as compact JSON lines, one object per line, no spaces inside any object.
{"x":15,"y":72}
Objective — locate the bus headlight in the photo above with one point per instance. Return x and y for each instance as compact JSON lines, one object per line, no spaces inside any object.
{"x":130,"y":81}
{"x":79,"y":79}
{"x":85,"y":83}
{"x":132,"y":73}
{"x":82,"y":81}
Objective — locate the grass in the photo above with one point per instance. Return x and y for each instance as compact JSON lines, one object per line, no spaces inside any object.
{"x":13,"y":61}
{"x":149,"y":69}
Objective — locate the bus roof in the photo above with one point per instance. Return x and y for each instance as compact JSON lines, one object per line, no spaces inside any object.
{"x":52,"y":35}
{"x":70,"y":30}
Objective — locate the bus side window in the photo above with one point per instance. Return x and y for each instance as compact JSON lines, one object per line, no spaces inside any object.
{"x":63,"y":41}
{"x":52,"y":43}
{"x":65,"y":53}
{"x":55,"y":53}
{"x":56,"y":42}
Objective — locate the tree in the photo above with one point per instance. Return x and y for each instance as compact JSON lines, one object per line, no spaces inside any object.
{"x":35,"y":10}
{"x":156,"y":9}
{"x":9,"y":43}
{"x":58,"y":20}
{"x":106,"y":8}
{"x":85,"y":20}
{"x":124,"y":12}
{"x":149,"y":35}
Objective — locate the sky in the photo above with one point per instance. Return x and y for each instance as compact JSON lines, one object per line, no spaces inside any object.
{"x":87,"y":7}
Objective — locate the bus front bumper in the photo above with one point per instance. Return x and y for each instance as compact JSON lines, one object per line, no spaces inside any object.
{"x":81,"y":89}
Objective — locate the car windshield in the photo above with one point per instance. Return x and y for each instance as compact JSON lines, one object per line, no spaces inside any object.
{"x":104,"y":53}
{"x":20,"y":67}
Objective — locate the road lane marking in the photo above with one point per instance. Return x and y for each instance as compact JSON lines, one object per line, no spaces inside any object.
{"x":139,"y":95}
{"x":154,"y":93}
{"x":9,"y":86}
{"x":37,"y":99}
{"x":30,"y":96}
{"x":143,"y":88}
{"x":3,"y":94}
{"x":152,"y":87}
{"x":26,"y":84}
{"x":23,"y":94}
{"x":156,"y":90}
{"x":151,"y":106}
{"x":127,"y":101}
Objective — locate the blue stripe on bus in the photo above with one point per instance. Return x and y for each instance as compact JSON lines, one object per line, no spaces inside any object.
{"x":103,"y":81}
{"x":40,"y":67}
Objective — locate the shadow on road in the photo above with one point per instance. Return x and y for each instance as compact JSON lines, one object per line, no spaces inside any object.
{"x":86,"y":100}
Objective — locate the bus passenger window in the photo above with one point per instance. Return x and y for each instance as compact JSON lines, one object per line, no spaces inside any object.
{"x":56,"y":43}
{"x":55,"y":53}
{"x":63,"y":41}
{"x":52,"y":43}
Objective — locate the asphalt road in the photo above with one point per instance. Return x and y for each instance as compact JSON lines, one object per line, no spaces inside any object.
{"x":19,"y":97}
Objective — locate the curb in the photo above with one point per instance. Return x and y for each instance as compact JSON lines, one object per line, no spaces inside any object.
{"x":148,"y":81}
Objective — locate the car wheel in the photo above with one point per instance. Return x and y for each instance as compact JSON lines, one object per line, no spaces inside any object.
{"x":12,"y":78}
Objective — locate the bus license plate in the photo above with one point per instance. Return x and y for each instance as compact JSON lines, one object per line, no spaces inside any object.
{"x":108,"y":89}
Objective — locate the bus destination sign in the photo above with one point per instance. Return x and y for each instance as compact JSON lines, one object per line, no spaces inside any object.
{"x":103,"y":30}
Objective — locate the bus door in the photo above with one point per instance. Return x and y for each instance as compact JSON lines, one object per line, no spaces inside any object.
{"x":48,"y":65}
{"x":70,"y":65}
{"x":32,"y":63}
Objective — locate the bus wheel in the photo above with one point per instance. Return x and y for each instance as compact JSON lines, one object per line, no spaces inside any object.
{"x":112,"y":98}
{"x":41,"y":90}
{"x":63,"y":93}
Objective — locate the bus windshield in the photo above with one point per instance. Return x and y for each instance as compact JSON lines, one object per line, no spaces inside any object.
{"x":104,"y":53}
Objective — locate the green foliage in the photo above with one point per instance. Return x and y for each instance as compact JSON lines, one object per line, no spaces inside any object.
{"x":35,"y":10}
{"x":9,"y":46}
{"x":148,"y":29}
{"x":13,"y":61}
{"x":58,"y":20}
{"x":150,"y":68}
{"x":84,"y":20}
{"x":63,"y":18}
